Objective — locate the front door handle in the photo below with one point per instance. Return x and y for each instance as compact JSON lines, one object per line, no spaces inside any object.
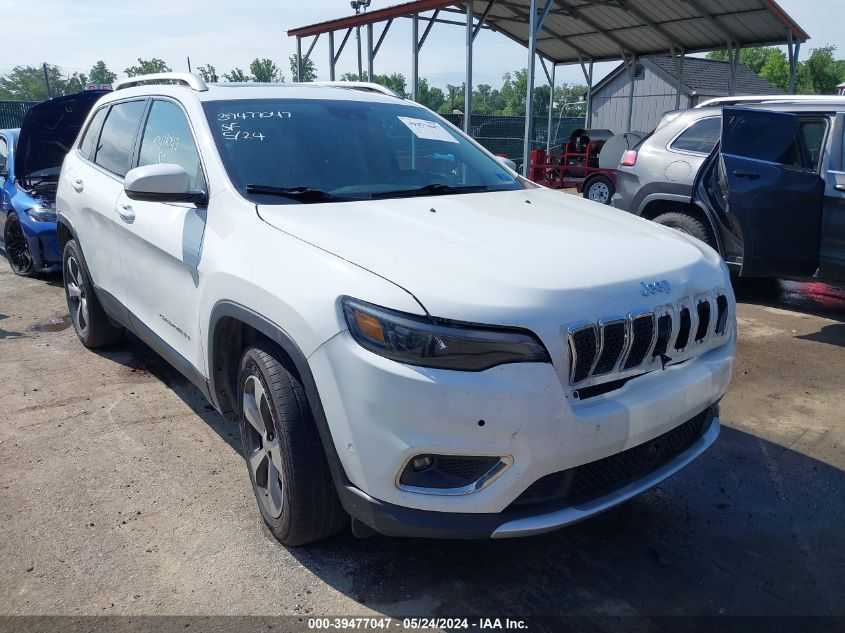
{"x":741,"y":173}
{"x":839,"y":187}
{"x":126,"y":213}
{"x":77,"y":184}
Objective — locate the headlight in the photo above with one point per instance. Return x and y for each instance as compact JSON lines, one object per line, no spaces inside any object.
{"x":437,"y":343}
{"x":40,"y":214}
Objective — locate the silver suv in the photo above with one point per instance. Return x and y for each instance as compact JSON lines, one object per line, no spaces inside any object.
{"x":656,"y":177}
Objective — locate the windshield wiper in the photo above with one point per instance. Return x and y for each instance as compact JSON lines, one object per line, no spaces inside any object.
{"x":434,"y":189}
{"x":304,"y":194}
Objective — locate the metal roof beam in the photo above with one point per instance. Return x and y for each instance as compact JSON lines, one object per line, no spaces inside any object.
{"x":382,"y":36}
{"x":432,"y":20}
{"x":627,"y":6}
{"x":726,"y":32}
{"x":579,"y":15}
{"x":482,"y":18}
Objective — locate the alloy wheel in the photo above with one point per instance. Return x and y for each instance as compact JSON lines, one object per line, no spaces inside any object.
{"x":262,"y":447}
{"x":77,"y":301}
{"x":17,"y":250}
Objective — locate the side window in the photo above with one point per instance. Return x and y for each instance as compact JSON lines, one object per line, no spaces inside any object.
{"x":114,"y":151}
{"x":167,"y":138}
{"x":4,"y":156}
{"x":89,"y":140}
{"x":700,"y":137}
{"x":814,"y":133}
{"x":774,"y":138}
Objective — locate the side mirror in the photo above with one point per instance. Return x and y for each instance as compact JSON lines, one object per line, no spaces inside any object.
{"x":165,"y":182}
{"x":507,"y":162}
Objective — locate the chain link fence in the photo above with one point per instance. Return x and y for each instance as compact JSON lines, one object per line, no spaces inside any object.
{"x":505,"y":135}
{"x":12,"y":113}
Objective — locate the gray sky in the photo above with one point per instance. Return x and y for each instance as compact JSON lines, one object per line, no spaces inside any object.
{"x":229,"y":33}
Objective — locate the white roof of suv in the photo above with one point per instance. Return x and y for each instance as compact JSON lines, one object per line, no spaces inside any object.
{"x":748,"y":99}
{"x":327,"y":89}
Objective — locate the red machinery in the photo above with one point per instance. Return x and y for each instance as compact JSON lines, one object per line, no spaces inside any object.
{"x":577,"y":167}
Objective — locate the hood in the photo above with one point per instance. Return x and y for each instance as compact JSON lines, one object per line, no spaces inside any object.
{"x":48,"y":131}
{"x":479,"y":256}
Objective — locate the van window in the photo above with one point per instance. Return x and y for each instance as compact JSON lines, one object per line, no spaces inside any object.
{"x":700,"y":137}
{"x":168,"y":139}
{"x":114,"y":152}
{"x":89,"y":141}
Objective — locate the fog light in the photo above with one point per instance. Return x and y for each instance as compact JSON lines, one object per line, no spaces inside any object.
{"x":422,"y":462}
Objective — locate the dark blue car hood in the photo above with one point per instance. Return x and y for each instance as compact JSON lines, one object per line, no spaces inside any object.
{"x":48,"y":131}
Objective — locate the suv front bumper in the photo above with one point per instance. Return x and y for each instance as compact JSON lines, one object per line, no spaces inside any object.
{"x":381,"y":414}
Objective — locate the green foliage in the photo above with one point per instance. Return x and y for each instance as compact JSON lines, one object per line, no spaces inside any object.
{"x":100,"y":74}
{"x":821,"y":73}
{"x":309,"y":70}
{"x":237,"y":75}
{"x":26,"y":83}
{"x":208,"y":73}
{"x":265,"y":71}
{"x":147,"y":67}
{"x":395,"y":81}
{"x":431,"y":97}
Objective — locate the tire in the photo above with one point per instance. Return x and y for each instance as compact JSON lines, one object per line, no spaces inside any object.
{"x":690,"y":225}
{"x":599,"y":189}
{"x":283,"y":452}
{"x":89,"y":320}
{"x":17,"y":249}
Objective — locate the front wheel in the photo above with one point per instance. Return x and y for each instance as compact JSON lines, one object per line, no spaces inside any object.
{"x":17,"y":248}
{"x":599,"y":189}
{"x":284,"y":454}
{"x":689,"y":224}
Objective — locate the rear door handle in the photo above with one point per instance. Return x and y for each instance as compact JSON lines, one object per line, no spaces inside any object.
{"x":126,"y":213}
{"x":77,"y":184}
{"x":741,"y":173}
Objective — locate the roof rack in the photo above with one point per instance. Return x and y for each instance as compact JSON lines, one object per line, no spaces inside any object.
{"x":366,"y":86}
{"x":194,"y":82}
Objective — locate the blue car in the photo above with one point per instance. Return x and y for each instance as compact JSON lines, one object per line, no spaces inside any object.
{"x":30,"y":163}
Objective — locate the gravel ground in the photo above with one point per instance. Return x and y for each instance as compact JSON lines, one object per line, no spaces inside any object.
{"x":123,"y":492}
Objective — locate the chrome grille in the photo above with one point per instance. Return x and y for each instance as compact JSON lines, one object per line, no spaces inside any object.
{"x":642,"y":340}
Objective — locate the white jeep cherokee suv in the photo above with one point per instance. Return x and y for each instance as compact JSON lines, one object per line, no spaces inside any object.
{"x":408,"y":332}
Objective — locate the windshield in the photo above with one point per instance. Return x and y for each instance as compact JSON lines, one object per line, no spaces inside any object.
{"x":293,"y":151}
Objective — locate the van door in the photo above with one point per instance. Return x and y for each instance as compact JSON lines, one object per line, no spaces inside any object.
{"x":774,"y":196}
{"x":832,"y":253}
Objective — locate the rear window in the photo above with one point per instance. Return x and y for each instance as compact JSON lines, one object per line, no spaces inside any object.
{"x":114,"y":152}
{"x":700,"y":137}
{"x":89,"y":141}
{"x":814,"y":133}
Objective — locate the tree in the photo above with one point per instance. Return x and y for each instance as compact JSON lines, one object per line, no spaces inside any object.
{"x":265,"y":71}
{"x":100,"y":74}
{"x":237,"y":75}
{"x":454,"y":99}
{"x":208,"y":73}
{"x":394,"y":81}
{"x":26,"y":83}
{"x":754,"y":57}
{"x":431,"y":97}
{"x":820,"y":73}
{"x":147,"y":67}
{"x":776,"y":70}
{"x":309,"y":70}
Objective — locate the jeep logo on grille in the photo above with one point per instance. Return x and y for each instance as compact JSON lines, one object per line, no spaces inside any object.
{"x":658,"y":287}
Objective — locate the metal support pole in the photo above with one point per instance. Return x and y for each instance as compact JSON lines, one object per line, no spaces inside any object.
{"x":370,"y":51}
{"x":468,"y":84}
{"x":47,"y":80}
{"x":298,"y":59}
{"x":331,"y":56}
{"x":588,"y":77}
{"x":529,"y":95}
{"x":680,"y":80}
{"x":551,"y":109}
{"x":632,"y":72}
{"x":733,"y":59}
{"x":360,"y":64}
{"x":792,"y":48}
{"x":415,"y":56}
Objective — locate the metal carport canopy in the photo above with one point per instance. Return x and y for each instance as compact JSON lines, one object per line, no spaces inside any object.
{"x":579,"y":31}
